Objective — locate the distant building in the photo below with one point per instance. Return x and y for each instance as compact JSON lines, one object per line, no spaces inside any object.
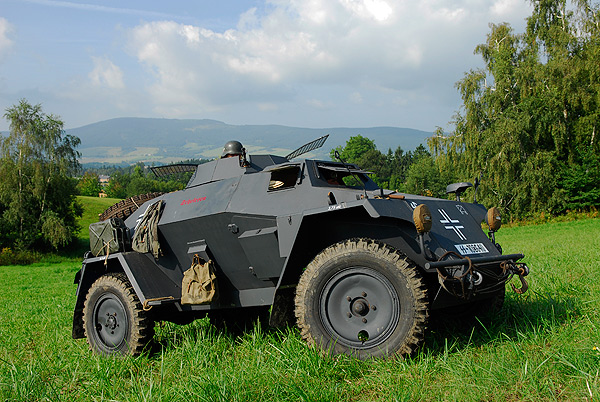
{"x":103,"y":179}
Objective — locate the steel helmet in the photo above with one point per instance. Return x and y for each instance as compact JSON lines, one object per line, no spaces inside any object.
{"x":232,"y":148}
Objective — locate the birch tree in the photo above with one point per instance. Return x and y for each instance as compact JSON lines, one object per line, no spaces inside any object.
{"x":37,"y":193}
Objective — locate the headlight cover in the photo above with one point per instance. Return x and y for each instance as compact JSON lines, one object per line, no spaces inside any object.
{"x":493,"y":219}
{"x":422,"y":218}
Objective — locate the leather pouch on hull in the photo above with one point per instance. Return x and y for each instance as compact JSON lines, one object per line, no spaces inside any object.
{"x":199,"y":285}
{"x":109,"y":236}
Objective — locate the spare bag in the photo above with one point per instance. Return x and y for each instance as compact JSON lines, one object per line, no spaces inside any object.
{"x":145,"y":238}
{"x":109,"y":236}
{"x":199,"y":285}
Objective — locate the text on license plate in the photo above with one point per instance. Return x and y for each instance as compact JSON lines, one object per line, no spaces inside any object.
{"x":472,"y":248}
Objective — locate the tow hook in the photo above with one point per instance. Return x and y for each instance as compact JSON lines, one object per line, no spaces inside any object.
{"x":524,"y":286}
{"x":522,"y":270}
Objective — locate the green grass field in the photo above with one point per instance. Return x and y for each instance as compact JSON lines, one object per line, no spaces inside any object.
{"x":543,"y":346}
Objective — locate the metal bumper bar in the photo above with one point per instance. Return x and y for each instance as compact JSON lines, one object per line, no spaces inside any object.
{"x":476,"y":260}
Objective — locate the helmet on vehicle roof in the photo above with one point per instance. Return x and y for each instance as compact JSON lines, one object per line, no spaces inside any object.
{"x":232,"y":148}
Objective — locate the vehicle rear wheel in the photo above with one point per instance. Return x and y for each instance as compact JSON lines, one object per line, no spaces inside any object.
{"x":113,"y":318}
{"x":363,"y":298}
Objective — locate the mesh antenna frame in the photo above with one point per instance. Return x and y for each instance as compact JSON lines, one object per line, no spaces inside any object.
{"x":311,"y":146}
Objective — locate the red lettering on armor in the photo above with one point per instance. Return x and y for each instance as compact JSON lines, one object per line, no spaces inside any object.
{"x":187,"y":202}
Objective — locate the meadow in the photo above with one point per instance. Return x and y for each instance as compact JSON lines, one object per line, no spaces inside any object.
{"x":543,"y":346}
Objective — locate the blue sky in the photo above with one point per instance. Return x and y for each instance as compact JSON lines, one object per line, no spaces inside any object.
{"x":307,"y":63}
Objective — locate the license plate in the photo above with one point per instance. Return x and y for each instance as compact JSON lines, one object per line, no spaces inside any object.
{"x":472,"y":248}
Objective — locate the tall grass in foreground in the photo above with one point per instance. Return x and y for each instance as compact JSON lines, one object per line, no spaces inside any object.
{"x":543,"y":346}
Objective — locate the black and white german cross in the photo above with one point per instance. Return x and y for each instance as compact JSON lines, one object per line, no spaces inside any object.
{"x":452,"y":224}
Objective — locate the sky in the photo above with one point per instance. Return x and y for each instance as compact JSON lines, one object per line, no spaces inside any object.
{"x":304,"y":63}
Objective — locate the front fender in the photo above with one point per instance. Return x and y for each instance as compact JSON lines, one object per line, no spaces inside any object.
{"x":89,"y":272}
{"x":92,"y":269}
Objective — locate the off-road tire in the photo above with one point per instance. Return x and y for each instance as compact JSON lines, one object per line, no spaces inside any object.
{"x":363,"y":298}
{"x":124,"y":208}
{"x":113,"y":318}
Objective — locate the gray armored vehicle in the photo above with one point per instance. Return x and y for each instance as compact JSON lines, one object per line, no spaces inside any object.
{"x":360,"y":267}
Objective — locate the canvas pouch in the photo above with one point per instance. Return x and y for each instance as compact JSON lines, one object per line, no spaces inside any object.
{"x":145,"y":238}
{"x":199,"y":285}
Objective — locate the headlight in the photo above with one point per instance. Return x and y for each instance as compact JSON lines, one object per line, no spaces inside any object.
{"x":493,"y":219}
{"x":422,"y":218}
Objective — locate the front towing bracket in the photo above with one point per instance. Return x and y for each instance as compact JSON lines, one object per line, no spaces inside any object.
{"x":507,"y":263}
{"x":477,"y":260}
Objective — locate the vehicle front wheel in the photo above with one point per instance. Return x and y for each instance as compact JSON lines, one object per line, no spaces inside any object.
{"x":113,"y":317}
{"x":362,"y":297}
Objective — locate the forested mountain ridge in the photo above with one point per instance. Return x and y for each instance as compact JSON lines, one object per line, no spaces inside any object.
{"x":132,"y":140}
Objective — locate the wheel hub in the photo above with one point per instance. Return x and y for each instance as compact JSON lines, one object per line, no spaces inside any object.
{"x":111,"y":321}
{"x":359,"y":307}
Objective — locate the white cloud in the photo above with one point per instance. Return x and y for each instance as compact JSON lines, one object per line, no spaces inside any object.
{"x":248,"y":20}
{"x":383,"y":46}
{"x":106,"y":74}
{"x":319,"y":104}
{"x":509,"y":9}
{"x":5,"y":42}
{"x":356,"y":97}
{"x":376,"y":9}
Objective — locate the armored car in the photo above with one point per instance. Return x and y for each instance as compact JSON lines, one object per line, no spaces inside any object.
{"x":359,"y":268}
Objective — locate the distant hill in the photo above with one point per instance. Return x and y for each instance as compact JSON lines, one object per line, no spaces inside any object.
{"x":130,"y":140}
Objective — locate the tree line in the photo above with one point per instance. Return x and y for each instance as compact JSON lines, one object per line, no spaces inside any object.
{"x":130,"y":181}
{"x":411,"y":172}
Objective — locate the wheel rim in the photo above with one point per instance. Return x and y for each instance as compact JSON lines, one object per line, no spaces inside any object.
{"x":111,"y":324}
{"x":359,"y":308}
